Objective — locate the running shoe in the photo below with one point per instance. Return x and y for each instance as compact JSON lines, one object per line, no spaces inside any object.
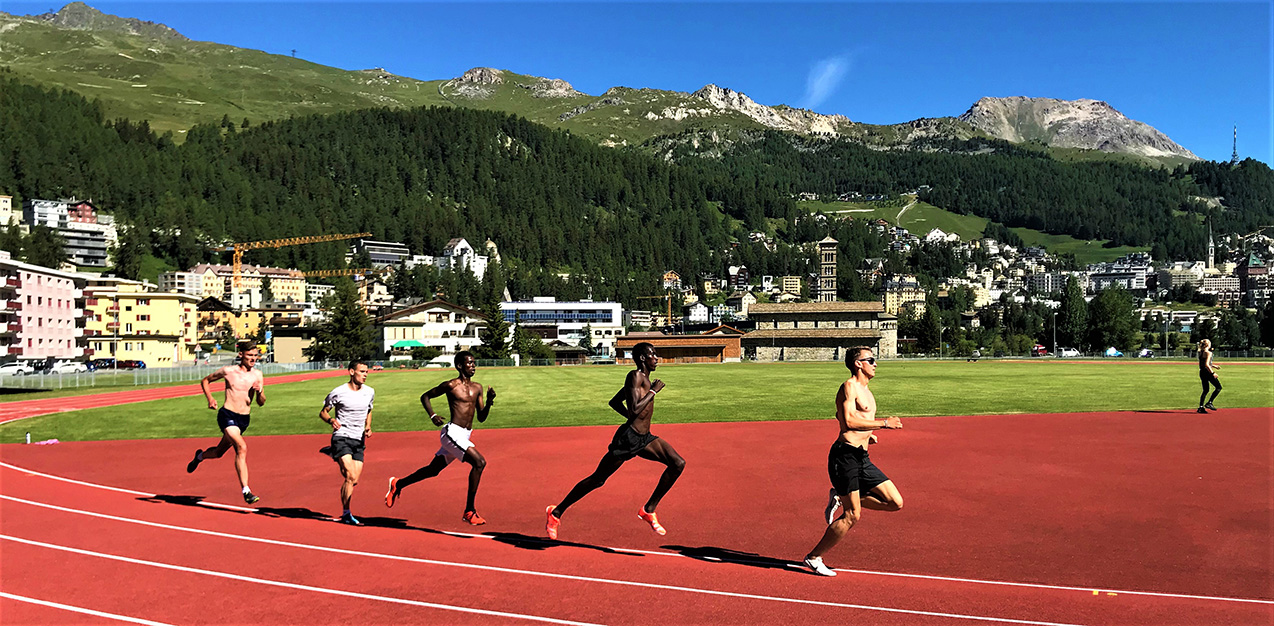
{"x":1201,"y":410}
{"x":193,"y":464}
{"x":815,"y":563}
{"x":391,"y":496}
{"x":348,"y":518}
{"x":833,"y":503}
{"x":552,"y":523}
{"x":250,"y":498}
{"x":1209,"y":407}
{"x":653,"y":520}
{"x":473,"y":518}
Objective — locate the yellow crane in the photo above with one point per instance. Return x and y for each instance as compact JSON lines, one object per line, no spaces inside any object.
{"x":240,"y":248}
{"x":666,"y":296}
{"x":359,"y":271}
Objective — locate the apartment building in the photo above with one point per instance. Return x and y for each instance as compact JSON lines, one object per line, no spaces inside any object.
{"x":448,"y":327}
{"x":88,"y":235}
{"x":128,"y":319}
{"x":286,"y":285}
{"x":41,"y":312}
{"x":604,"y":319}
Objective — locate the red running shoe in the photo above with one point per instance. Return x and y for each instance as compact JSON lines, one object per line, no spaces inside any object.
{"x":653,"y":520}
{"x":552,"y":523}
{"x":473,"y":518}
{"x":391,"y":496}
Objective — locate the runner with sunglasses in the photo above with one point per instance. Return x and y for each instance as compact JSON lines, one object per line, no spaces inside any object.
{"x":856,"y":482}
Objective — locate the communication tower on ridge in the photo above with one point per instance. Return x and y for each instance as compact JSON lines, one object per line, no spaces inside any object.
{"x":1234,"y":158}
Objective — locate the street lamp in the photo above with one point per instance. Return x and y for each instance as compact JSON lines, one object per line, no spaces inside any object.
{"x":1055,"y":353}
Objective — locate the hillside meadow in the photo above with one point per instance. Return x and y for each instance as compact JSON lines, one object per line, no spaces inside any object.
{"x":575,"y":396}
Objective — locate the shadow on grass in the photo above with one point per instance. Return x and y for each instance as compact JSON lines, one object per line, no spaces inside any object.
{"x":713,"y":554}
{"x":517,"y":540}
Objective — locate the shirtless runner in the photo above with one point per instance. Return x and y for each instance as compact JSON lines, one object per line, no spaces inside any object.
{"x":856,"y":482}
{"x":244,"y":383}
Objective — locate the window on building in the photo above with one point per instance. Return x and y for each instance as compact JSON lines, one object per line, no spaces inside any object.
{"x":143,"y":318}
{"x":143,"y":302}
{"x":128,"y":328}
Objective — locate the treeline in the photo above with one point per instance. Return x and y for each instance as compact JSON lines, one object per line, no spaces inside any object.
{"x":1010,"y":185}
{"x":568,"y":216}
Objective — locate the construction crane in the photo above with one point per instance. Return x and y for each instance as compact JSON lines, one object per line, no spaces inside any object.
{"x":240,"y":248}
{"x":360,"y":271}
{"x":666,"y":296}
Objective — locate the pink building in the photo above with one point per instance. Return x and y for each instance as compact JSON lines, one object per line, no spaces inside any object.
{"x":41,"y":312}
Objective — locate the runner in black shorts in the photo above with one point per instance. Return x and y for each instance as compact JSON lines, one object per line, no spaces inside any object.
{"x":856,"y":482}
{"x":351,"y":426}
{"x":636,"y":402}
{"x":227,"y":418}
{"x":244,"y":384}
{"x":1207,"y":375}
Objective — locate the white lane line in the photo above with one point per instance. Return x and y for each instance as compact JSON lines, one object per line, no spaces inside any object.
{"x":80,"y":609}
{"x":215,"y":505}
{"x":279,"y":583}
{"x":974,"y":581}
{"x":508,"y":570}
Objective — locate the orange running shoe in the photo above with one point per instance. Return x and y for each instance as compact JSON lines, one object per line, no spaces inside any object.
{"x":473,"y":518}
{"x":552,"y":523}
{"x":391,"y":496}
{"x":653,"y":520}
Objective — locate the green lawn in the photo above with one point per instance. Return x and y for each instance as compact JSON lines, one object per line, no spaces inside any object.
{"x":1085,"y":251}
{"x":570,"y":396}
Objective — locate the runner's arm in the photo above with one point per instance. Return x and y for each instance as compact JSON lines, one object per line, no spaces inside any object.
{"x":484,"y":407}
{"x":367,"y":426}
{"x":617,"y":403}
{"x":638,"y":404}
{"x":849,"y":408}
{"x":259,"y":388}
{"x":327,"y":417}
{"x":207,"y":392}
{"x":441,"y":389}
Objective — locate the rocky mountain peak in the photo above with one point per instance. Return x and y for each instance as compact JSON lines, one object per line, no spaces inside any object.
{"x":80,"y":16}
{"x":482,"y":76}
{"x":1084,"y":123}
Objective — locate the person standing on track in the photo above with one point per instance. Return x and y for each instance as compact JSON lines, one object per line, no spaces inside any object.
{"x":856,"y":482}
{"x":1207,"y":374}
{"x":243,"y":384}
{"x":464,"y":397}
{"x":351,"y":426}
{"x":636,"y":402}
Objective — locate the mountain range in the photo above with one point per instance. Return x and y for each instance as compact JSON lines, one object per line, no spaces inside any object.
{"x":147,"y":71}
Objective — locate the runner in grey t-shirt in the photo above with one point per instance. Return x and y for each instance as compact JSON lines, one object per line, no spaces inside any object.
{"x":351,"y":426}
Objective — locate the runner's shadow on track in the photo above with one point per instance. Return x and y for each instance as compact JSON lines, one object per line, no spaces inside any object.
{"x":289,"y":512}
{"x":713,"y":554}
{"x":527,"y":542}
{"x":184,"y":501}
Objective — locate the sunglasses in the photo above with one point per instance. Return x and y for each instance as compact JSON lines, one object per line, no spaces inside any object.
{"x":871,"y":360}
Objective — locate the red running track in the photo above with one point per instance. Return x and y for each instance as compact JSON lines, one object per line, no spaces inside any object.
{"x":22,"y":409}
{"x":1168,"y":521}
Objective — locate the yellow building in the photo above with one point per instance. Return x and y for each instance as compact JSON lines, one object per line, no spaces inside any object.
{"x":903,"y":295}
{"x":128,"y":319}
{"x":218,"y":280}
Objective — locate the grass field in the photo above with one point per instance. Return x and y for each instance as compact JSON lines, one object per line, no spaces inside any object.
{"x":699,"y":393}
{"x":1085,"y":251}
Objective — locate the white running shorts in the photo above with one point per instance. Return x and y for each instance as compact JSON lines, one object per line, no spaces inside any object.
{"x":455,"y":440}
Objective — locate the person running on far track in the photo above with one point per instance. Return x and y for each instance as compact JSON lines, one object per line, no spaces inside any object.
{"x":351,"y":426}
{"x":1207,"y":374}
{"x":464,"y":397}
{"x":636,"y":402}
{"x":243,"y":384}
{"x":856,"y":482}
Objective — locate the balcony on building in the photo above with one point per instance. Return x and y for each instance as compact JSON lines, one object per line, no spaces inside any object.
{"x":9,"y":282}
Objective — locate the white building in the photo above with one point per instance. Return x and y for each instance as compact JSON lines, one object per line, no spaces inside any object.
{"x":7,"y":216}
{"x":448,"y":327}
{"x":458,"y":255}
{"x":696,"y":313}
{"x":605,"y":319}
{"x":182,"y":282}
{"x":88,"y":235}
{"x":315,"y":292}
{"x":381,"y":253}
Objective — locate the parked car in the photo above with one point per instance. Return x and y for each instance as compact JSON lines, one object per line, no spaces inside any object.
{"x":1145,"y":353}
{"x":132,"y":364}
{"x":15,"y":368}
{"x":1111,"y":351}
{"x":102,"y":364}
{"x":1039,"y":350}
{"x":67,"y":367}
{"x":1067,"y":352}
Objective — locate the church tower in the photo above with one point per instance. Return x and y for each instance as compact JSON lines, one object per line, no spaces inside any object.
{"x":827,"y":270}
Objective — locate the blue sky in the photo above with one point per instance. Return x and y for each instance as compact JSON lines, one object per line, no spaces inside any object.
{"x":1191,"y":70}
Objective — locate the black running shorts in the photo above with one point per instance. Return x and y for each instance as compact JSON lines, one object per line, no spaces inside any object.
{"x":628,"y":442}
{"x":851,"y":469}
{"x":226,"y":419}
{"x":342,"y":446}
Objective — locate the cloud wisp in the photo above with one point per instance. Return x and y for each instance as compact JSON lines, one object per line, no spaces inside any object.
{"x":825,"y":76}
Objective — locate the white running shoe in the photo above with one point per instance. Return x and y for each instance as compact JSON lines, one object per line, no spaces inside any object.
{"x":833,"y":503}
{"x":816,"y":563}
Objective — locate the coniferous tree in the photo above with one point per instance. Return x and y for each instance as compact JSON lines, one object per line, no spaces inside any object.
{"x":44,"y":247}
{"x":1267,"y":325}
{"x":495,"y":335}
{"x":1072,"y":316}
{"x":348,"y":333}
{"x":586,"y":342}
{"x":128,"y":256}
{"x":267,"y":294}
{"x":929,"y":332}
{"x":11,"y":241}
{"x":1112,"y":320}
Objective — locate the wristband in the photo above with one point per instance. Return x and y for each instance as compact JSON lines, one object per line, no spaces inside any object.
{"x":433,"y":415}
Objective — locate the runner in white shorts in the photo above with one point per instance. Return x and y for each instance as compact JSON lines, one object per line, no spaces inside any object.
{"x":465,"y":398}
